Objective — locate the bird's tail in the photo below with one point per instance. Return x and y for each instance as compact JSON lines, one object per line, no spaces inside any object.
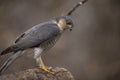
{"x":12,"y":48}
{"x":10,"y":61}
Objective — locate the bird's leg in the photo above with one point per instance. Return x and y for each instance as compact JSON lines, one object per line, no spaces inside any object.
{"x":43,"y":67}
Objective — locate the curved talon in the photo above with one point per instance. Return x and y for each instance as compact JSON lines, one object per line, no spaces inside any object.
{"x":47,"y":69}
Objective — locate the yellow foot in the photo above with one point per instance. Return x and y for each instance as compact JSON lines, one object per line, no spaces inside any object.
{"x":49,"y":70}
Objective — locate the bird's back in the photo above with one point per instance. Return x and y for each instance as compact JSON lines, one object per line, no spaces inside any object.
{"x":38,"y":35}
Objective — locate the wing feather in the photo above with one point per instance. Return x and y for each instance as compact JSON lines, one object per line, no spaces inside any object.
{"x":37,"y":35}
{"x":19,"y":37}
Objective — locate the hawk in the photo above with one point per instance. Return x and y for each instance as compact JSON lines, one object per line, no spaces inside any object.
{"x":41,"y":38}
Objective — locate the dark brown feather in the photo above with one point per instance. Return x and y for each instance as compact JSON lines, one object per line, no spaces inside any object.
{"x":12,"y":48}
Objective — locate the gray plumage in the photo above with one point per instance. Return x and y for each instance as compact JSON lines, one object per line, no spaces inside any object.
{"x":35,"y":37}
{"x":9,"y":61}
{"x":40,"y":37}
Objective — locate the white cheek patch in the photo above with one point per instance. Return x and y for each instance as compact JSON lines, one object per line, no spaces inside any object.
{"x":58,"y":25}
{"x":37,"y":52}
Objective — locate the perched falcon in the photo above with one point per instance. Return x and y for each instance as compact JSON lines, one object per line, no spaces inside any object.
{"x":41,"y":38}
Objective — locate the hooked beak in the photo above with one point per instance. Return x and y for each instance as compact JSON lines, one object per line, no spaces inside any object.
{"x":70,"y":27}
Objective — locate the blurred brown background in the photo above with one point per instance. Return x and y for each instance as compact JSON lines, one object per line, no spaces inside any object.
{"x":91,"y":51}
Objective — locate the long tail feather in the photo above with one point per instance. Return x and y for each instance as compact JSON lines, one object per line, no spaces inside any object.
{"x":9,"y":61}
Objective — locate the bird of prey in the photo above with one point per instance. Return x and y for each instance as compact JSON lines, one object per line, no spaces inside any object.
{"x":41,"y":38}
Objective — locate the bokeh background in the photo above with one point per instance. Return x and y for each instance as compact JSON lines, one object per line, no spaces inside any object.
{"x":91,"y":51}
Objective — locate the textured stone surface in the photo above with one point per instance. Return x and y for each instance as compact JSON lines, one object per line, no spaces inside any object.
{"x":38,"y":74}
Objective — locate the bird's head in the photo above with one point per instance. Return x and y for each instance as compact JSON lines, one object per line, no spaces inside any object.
{"x":64,"y":22}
